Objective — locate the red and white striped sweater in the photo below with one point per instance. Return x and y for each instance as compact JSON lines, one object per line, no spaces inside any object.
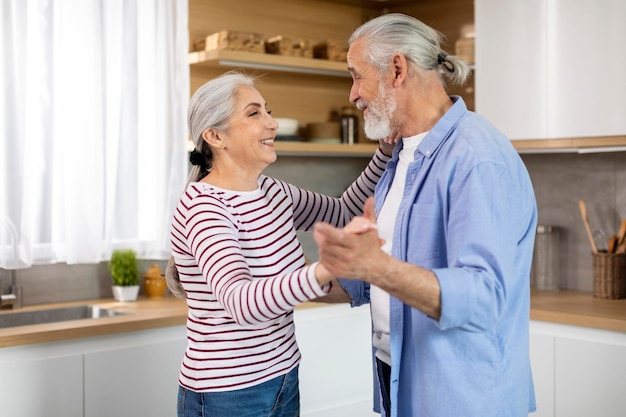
{"x":243,"y":271}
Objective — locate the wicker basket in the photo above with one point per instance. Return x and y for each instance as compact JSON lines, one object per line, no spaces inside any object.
{"x":609,"y":275}
{"x":282,"y":45}
{"x":232,"y":41}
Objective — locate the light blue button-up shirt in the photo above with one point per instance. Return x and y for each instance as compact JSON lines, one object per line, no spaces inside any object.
{"x":468,"y":214}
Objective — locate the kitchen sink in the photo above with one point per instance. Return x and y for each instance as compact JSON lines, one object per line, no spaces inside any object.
{"x":53,"y":315}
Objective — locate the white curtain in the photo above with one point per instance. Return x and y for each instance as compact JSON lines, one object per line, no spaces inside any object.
{"x":93,"y":122}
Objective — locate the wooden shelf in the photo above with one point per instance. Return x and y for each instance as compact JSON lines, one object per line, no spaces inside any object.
{"x":566,"y":145}
{"x":580,"y":145}
{"x":325,"y":149}
{"x":280,"y":63}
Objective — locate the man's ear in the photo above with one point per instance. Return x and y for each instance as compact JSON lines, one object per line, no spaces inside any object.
{"x":400,"y":67}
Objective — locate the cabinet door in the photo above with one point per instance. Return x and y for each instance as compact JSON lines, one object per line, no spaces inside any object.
{"x":587,"y":63}
{"x":542,"y":363}
{"x":336,"y":368}
{"x":550,"y":69}
{"x":511,"y":60}
{"x":590,"y":374}
{"x":139,"y":378}
{"x":42,"y":387}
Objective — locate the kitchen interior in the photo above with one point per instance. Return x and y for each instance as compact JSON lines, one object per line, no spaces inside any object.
{"x":573,"y":146}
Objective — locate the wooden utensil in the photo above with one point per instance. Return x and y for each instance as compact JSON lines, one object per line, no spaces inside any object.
{"x":612,"y":244}
{"x":583,"y":213}
{"x":621,"y":235}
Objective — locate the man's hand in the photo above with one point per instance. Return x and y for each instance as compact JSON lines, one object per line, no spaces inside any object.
{"x":353,"y":251}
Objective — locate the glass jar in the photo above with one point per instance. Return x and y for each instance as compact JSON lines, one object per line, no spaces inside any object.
{"x":348,"y":125}
{"x":545,"y":265}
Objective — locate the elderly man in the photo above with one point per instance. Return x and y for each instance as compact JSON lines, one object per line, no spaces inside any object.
{"x":456,"y":212}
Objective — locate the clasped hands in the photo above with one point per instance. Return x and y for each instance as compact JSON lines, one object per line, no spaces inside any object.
{"x":354,"y":251}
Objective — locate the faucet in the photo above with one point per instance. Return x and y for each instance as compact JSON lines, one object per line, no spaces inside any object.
{"x":14,"y":298}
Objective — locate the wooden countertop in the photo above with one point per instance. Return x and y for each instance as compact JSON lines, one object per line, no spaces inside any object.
{"x":578,"y":309}
{"x":565,"y":307}
{"x":143,"y":314}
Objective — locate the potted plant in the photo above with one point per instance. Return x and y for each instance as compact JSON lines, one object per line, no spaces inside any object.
{"x":123,"y":268}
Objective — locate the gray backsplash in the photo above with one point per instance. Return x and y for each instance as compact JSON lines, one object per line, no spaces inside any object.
{"x":559,"y":179}
{"x":58,"y":283}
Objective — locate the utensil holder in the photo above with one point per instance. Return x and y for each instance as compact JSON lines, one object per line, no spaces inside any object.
{"x":609,"y":275}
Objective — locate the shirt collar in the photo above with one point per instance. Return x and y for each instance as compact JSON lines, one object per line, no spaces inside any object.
{"x":443,"y":128}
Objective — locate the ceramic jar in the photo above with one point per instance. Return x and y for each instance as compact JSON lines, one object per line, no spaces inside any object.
{"x":154,"y":285}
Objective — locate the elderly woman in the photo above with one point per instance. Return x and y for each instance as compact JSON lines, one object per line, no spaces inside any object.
{"x":238,"y":261}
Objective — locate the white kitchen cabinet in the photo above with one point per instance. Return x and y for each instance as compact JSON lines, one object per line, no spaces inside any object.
{"x":542,"y":362}
{"x":134,"y":380}
{"x":511,"y":59}
{"x":127,"y":374}
{"x":587,"y":60}
{"x":136,"y":373}
{"x":139,"y":376}
{"x":41,"y":385}
{"x":336,"y":368}
{"x":590,"y":375}
{"x":578,"y":371}
{"x":551,"y":68}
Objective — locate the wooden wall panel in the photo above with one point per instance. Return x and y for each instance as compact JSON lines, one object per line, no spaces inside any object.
{"x":302,"y":18}
{"x":310,"y":98}
{"x":449,"y":17}
{"x":307,"y":98}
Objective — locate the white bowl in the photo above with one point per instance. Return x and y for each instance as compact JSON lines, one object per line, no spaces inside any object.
{"x":286,"y":127}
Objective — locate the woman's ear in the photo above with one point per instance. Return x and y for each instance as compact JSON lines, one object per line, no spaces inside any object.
{"x":213,"y":138}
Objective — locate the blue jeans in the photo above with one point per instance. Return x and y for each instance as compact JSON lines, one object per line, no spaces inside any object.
{"x":278,"y":397}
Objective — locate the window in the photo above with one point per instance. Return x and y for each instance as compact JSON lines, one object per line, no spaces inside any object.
{"x":93,"y":118}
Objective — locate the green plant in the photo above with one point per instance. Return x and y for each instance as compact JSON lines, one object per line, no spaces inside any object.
{"x":123,"y":268}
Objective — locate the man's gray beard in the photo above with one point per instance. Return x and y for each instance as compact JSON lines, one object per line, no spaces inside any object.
{"x":377,"y":129}
{"x":377,"y":122}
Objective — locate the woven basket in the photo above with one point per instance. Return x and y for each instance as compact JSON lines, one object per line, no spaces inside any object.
{"x":609,"y":275}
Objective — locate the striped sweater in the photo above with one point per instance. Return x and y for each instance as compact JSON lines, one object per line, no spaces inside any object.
{"x":243,"y":271}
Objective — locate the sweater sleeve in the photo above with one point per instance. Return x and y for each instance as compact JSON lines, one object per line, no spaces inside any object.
{"x":311,"y":207}
{"x":212,"y":233}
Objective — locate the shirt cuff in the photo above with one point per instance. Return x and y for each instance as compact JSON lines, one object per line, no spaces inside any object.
{"x":358,"y":290}
{"x":455,"y":302}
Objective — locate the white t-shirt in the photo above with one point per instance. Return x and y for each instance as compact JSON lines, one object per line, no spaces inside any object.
{"x":379,"y":299}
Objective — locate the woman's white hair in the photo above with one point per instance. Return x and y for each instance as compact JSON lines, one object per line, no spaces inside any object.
{"x":213,"y":103}
{"x":210,"y":107}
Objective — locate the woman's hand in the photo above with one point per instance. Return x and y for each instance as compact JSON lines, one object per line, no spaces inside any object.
{"x":357,"y":226}
{"x":351,"y":252}
{"x":387,"y":144}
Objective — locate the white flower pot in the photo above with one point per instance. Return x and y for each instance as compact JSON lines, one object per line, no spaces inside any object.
{"x":128,"y":293}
